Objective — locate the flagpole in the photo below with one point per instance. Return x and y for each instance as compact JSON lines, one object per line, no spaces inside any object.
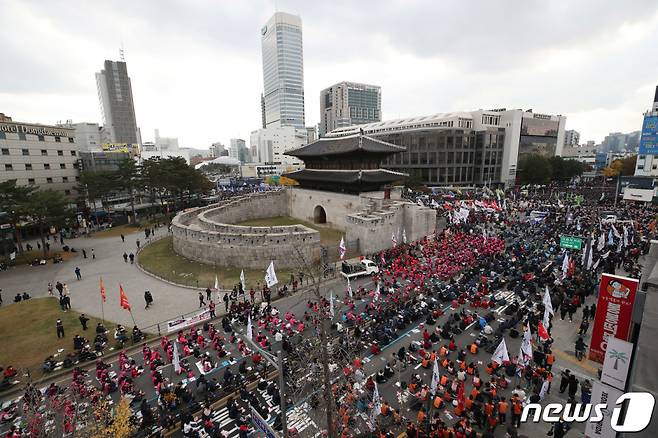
{"x":133,"y":318}
{"x":102,"y":311}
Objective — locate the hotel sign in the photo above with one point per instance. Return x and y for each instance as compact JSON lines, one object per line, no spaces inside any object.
{"x":34,"y":129}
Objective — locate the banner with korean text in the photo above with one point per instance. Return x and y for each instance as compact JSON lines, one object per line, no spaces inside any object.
{"x":614,"y":311}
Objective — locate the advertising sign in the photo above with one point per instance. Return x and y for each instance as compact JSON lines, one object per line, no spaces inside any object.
{"x":181,"y":323}
{"x":614,"y":311}
{"x":616,"y":363}
{"x":605,"y":395}
{"x":649,"y":139}
{"x":571,"y":242}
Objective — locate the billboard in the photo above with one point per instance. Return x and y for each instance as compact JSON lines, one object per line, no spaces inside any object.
{"x":649,"y":139}
{"x":617,"y":362}
{"x":614,"y":311}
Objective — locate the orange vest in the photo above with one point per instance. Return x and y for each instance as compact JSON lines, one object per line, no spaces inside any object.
{"x":517,"y":408}
{"x":502,"y":407}
{"x":550,"y":359}
{"x":488,"y":409}
{"x":437,"y":402}
{"x":421,"y":417}
{"x":474,"y":348}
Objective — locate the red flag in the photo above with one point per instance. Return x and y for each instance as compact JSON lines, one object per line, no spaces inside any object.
{"x":123,"y":301}
{"x":103,"y":291}
{"x":542,"y":332}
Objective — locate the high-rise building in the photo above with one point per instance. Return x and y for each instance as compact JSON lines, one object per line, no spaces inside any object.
{"x":271,"y":144}
{"x":647,"y":159}
{"x":283,"y":71}
{"x":571,"y":138}
{"x":116,"y":101}
{"x":216,"y":149}
{"x":239,"y":150}
{"x":348,"y":104}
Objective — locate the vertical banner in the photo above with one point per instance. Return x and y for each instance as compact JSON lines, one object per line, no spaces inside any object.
{"x":607,"y":395}
{"x":614,"y":311}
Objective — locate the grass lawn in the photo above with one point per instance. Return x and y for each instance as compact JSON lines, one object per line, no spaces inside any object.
{"x":160,"y":259}
{"x":29,"y":335}
{"x":116,"y":231}
{"x":328,"y":236}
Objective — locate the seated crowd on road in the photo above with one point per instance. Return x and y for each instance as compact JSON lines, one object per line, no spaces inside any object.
{"x":485,"y":274}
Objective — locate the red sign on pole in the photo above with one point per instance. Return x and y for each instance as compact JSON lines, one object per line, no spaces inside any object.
{"x":614,"y":311}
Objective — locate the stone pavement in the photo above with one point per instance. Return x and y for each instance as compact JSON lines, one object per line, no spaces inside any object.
{"x":169,"y":301}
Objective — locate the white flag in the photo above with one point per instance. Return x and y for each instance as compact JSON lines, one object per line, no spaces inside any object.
{"x":270,"y":276}
{"x":249,"y":329}
{"x":404,"y":235}
{"x":331,"y":303}
{"x":349,"y":288}
{"x":376,"y":407}
{"x":625,"y":236}
{"x":614,"y":230}
{"x":565,"y":265}
{"x":242,"y":280}
{"x":176,"y":360}
{"x":376,"y":297}
{"x":12,"y":255}
{"x":547,"y":318}
{"x":342,"y":249}
{"x":590,"y":258}
{"x":544,"y":389}
{"x":601,"y":244}
{"x":548,"y":304}
{"x":500,"y":355}
{"x":394,"y":240}
{"x":435,"y":378}
{"x":216,"y":284}
{"x":525,"y":352}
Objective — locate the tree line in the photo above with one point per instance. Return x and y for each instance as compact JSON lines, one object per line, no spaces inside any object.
{"x":538,"y":169}
{"x":160,"y":179}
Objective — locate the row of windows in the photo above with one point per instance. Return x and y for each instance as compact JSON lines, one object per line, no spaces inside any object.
{"x":44,"y":152}
{"x":46,"y":166}
{"x":50,"y":180}
{"x":23,"y":136}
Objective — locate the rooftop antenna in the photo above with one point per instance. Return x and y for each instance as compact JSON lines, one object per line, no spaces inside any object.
{"x":123,"y":59}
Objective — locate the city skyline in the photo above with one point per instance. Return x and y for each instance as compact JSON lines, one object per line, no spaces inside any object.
{"x":562,"y":63}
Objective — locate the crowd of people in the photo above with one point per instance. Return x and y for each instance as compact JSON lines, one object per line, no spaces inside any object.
{"x":496,"y":257}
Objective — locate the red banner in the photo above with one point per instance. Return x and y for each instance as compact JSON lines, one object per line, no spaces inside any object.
{"x":614,"y":311}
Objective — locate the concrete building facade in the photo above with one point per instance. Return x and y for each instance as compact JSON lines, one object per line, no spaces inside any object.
{"x":466,"y":148}
{"x":39,"y":155}
{"x":571,"y":138}
{"x":272,"y":143}
{"x":283,"y":71}
{"x":349,"y":103}
{"x":116,"y":103}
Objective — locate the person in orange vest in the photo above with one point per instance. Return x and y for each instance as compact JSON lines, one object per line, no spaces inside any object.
{"x":443,"y":351}
{"x":517,"y":409}
{"x":385,"y":409}
{"x":550,"y":359}
{"x":459,"y":410}
{"x":502,"y":410}
{"x":474,"y":348}
{"x":489,"y":409}
{"x":468,"y":403}
{"x":438,"y":401}
{"x":420,"y":418}
{"x":425,"y":363}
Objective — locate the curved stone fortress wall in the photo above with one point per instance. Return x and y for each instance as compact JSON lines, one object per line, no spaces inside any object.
{"x":207,"y":234}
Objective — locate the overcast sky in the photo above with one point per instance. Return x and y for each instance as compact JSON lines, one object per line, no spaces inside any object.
{"x":196,"y":70}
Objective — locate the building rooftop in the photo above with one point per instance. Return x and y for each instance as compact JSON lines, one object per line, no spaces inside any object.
{"x":376,"y":176}
{"x":344,"y":145}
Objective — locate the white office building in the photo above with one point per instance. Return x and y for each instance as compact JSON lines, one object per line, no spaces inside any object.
{"x":87,"y":135}
{"x":271,"y":144}
{"x":571,"y":138}
{"x":39,"y":155}
{"x":283,"y":71}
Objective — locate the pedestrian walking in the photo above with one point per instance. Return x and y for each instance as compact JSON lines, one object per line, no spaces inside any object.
{"x":67,"y":302}
{"x":208,"y":292}
{"x":50,"y":289}
{"x":132,"y":258}
{"x":583,"y":327}
{"x":225,"y":301}
{"x":123,"y":238}
{"x":564,"y":380}
{"x":211,"y":306}
{"x":84,"y":253}
{"x":138,"y":243}
{"x":77,"y":273}
{"x":573,"y":387}
{"x":201,"y":301}
{"x":60,"y":288}
{"x":148,"y":298}
{"x":83,"y":321}
{"x":93,"y":255}
{"x":125,"y":257}
{"x":60,"y":328}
